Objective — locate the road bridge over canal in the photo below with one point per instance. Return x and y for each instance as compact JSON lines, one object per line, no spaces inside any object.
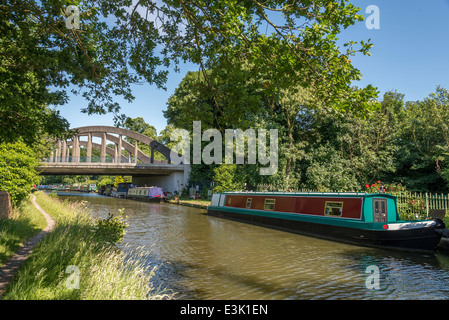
{"x":119,"y":154}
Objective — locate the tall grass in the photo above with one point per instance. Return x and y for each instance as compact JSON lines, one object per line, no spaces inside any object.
{"x":74,"y":262}
{"x":26,"y":221}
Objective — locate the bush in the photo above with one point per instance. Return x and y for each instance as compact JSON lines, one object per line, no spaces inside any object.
{"x":113,"y":228}
{"x":225,"y":179}
{"x":17,"y":170}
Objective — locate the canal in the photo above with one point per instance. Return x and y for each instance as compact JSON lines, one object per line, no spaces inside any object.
{"x":203,"y":257}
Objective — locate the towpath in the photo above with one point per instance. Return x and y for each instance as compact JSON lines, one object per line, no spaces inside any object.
{"x":10,"y":268}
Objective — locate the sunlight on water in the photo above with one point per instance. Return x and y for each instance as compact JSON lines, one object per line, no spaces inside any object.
{"x":204,"y":257}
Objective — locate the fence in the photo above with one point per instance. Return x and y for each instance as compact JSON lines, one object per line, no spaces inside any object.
{"x":414,"y":205}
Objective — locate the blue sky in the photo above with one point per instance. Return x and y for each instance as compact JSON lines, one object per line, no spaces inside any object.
{"x":410,"y":55}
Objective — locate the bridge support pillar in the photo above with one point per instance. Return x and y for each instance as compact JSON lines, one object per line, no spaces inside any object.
{"x":89,"y":148}
{"x":58,"y":152}
{"x":76,"y":149}
{"x":119,"y":158}
{"x":103,"y":149}
{"x":136,"y":151}
{"x":64,"y":151}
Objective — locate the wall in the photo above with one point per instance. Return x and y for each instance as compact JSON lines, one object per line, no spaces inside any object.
{"x":168,"y":182}
{"x":5,"y":205}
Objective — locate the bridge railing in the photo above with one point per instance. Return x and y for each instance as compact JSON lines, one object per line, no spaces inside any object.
{"x":96,"y":159}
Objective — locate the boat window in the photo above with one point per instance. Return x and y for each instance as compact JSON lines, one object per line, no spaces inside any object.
{"x":269,"y":204}
{"x":333,"y":208}
{"x":221,"y":202}
{"x":248,"y":203}
{"x":379,"y":210}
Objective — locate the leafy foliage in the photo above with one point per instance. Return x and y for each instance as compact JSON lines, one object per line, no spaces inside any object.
{"x":323,"y":147}
{"x":118,"y":179}
{"x":113,"y":228}
{"x":17,"y":170}
{"x":424,"y":146}
{"x":120,"y":43}
{"x":225,"y":178}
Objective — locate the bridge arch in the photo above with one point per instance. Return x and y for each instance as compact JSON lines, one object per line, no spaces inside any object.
{"x":68,"y":150}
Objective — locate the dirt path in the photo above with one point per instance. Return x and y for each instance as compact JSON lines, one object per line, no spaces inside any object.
{"x":10,"y":268}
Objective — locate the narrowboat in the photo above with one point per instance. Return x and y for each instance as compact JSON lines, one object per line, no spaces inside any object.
{"x":150,"y":194}
{"x":88,"y":187}
{"x":359,"y":218}
{"x":121,"y":190}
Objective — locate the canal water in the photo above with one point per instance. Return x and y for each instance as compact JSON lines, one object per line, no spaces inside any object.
{"x":203,"y":257}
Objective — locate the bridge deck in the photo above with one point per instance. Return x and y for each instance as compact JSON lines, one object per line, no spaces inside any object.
{"x":132,"y":169}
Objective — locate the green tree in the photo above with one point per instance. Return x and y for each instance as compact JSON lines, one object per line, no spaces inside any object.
{"x":225,"y":178}
{"x":118,"y":179}
{"x":139,"y":125}
{"x":344,"y":150}
{"x":329,"y":171}
{"x":120,"y":44}
{"x":105,"y":180}
{"x":165,"y":136}
{"x":17,"y":170}
{"x":424,"y":143}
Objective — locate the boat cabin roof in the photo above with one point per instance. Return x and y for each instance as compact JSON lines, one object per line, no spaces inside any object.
{"x":145,"y":187}
{"x":317,"y":194}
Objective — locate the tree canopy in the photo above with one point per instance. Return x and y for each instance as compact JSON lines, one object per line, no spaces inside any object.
{"x":271,"y":64}
{"x":124,"y":42}
{"x":327,"y":148}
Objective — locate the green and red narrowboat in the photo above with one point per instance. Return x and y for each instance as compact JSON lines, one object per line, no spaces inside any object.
{"x":357,"y":218}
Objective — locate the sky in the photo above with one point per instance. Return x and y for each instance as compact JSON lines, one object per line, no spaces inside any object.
{"x":410,"y":56}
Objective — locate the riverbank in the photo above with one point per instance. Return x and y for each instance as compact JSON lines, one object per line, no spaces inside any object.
{"x":77,"y":262}
{"x":25,"y":223}
{"x":195,"y":203}
{"x":8,"y":270}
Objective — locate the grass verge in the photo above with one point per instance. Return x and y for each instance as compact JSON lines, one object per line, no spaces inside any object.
{"x":26,"y":222}
{"x":75,"y":262}
{"x":188,"y":200}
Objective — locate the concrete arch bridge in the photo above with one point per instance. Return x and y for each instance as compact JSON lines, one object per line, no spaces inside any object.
{"x":117,"y":156}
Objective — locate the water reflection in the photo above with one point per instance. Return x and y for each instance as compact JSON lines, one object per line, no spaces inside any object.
{"x":204,"y":257}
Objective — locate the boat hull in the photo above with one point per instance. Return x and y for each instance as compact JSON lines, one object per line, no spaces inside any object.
{"x":421,"y":239}
{"x":146,"y":199}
